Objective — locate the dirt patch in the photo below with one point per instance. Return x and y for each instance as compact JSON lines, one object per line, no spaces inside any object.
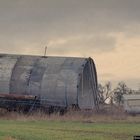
{"x":8,"y":138}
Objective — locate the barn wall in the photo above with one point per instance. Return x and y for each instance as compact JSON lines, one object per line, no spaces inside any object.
{"x":132,"y":103}
{"x":61,"y":81}
{"x":6,"y":66}
{"x":88,"y":86}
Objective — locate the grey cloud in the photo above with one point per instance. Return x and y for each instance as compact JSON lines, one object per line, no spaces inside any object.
{"x":36,"y":21}
{"x":85,"y":45}
{"x":34,"y":14}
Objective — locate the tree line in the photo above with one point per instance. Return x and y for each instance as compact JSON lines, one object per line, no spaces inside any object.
{"x":110,"y":95}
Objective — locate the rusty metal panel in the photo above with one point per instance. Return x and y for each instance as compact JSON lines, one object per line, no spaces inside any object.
{"x":20,"y":77}
{"x":70,"y":79}
{"x":36,"y":77}
{"x":75,"y":64}
{"x":18,"y":97}
{"x":6,"y":66}
{"x":50,"y":90}
{"x":59,"y":83}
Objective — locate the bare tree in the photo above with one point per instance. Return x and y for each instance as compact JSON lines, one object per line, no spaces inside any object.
{"x":119,"y":91}
{"x":101,"y":91}
{"x":105,"y":92}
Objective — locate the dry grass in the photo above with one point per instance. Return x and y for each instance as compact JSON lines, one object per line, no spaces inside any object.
{"x":106,"y":114}
{"x":111,"y":123}
{"x":8,"y":138}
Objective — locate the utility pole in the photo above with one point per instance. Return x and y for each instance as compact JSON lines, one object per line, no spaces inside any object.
{"x":45,"y":51}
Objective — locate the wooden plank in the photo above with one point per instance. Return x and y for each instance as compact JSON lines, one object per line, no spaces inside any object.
{"x":18,"y":97}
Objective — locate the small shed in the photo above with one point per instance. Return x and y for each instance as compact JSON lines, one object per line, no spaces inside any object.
{"x":132,"y":103}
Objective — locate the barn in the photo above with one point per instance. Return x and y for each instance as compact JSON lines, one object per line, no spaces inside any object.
{"x":48,"y":81}
{"x":131,"y":103}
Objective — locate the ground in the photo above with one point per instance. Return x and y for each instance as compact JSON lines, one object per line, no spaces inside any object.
{"x":67,"y":130}
{"x":112,"y":124}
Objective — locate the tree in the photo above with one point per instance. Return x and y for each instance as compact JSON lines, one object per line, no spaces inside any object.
{"x":109,"y":95}
{"x":119,"y":91}
{"x":105,"y":92}
{"x":100,"y":93}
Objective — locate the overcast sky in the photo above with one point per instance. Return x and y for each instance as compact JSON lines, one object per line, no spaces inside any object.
{"x":106,"y":30}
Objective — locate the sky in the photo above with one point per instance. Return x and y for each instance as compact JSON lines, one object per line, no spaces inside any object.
{"x":106,"y":30}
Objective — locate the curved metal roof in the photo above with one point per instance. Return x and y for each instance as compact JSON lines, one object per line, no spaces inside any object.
{"x":53,"y":79}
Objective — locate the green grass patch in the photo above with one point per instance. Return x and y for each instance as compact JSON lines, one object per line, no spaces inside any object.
{"x":67,"y":130}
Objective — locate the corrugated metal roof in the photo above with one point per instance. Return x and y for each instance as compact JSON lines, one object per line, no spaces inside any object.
{"x":132,"y":96}
{"x":53,"y":79}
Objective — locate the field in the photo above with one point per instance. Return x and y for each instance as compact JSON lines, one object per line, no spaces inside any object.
{"x":69,"y":128}
{"x":59,"y":130}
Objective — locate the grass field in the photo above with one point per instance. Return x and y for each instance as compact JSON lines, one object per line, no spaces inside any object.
{"x":74,"y":125}
{"x":67,"y":130}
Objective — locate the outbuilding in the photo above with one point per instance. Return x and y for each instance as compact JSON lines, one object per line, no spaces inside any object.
{"x":52,"y":81}
{"x":132,"y":103}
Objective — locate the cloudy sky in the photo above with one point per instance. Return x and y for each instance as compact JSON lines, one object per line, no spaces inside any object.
{"x":106,"y":30}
